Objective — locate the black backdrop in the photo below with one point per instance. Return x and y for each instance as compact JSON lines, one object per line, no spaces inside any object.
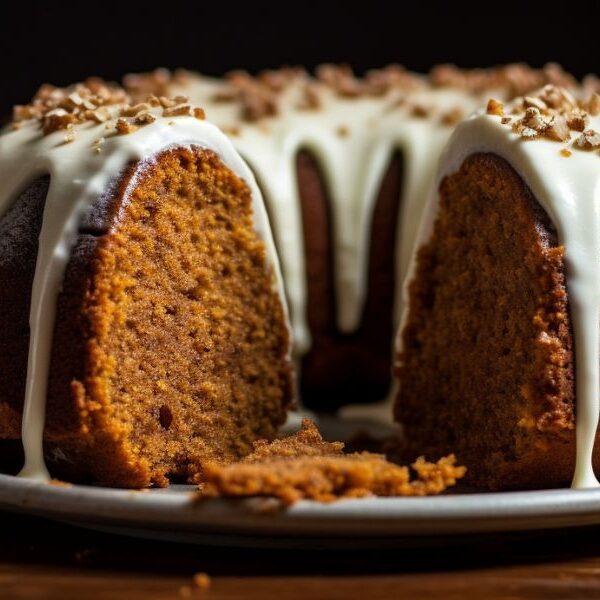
{"x":60,"y":43}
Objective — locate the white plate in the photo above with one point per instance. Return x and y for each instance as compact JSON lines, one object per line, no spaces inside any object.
{"x":176,"y":513}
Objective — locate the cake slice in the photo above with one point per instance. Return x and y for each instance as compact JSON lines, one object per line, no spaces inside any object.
{"x":147,"y":331}
{"x":500,"y":333}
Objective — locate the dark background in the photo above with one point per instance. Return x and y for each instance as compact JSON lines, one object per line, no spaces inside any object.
{"x":60,"y":43}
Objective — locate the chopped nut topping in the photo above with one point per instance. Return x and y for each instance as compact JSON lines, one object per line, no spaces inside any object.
{"x":179,"y":110}
{"x":199,"y":113}
{"x":310,"y":98}
{"x":166,"y":102}
{"x":558,"y":129}
{"x":557,"y":98}
{"x":100,"y":115}
{"x":494,"y":107}
{"x":57,"y":108}
{"x":140,"y":86}
{"x":420,"y":111}
{"x":588,"y":140}
{"x":516,"y":79}
{"x":131,"y":111}
{"x":555,"y":116}
{"x":452,"y":117}
{"x":577,"y":120}
{"x":593,"y":105}
{"x":341,"y":79}
{"x":532,"y":101}
{"x":123,"y":126}
{"x":144,"y":118}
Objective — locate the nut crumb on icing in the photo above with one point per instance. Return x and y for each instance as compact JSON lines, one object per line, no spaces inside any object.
{"x":123,"y":126}
{"x":588,"y":140}
{"x":98,"y":102}
{"x":452,"y":117}
{"x":555,"y":114}
{"x":495,"y":107}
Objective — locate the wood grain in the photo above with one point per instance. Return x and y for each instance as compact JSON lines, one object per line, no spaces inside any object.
{"x":40,"y":559}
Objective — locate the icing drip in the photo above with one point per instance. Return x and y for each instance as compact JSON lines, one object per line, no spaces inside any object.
{"x":353,"y":139}
{"x":569,"y":191}
{"x":78,"y":176}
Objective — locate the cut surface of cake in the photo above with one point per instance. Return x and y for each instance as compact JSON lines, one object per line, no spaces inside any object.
{"x":344,"y":163}
{"x":146,"y":326}
{"x":498,"y":356}
{"x":158,"y":332}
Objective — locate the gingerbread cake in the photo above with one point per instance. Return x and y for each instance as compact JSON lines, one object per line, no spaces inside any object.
{"x":146,"y":330}
{"x":499,"y":354}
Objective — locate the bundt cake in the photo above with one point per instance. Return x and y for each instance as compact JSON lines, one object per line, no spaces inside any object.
{"x":344,"y":164}
{"x":144,"y":314}
{"x":504,"y":294}
{"x":144,"y":326}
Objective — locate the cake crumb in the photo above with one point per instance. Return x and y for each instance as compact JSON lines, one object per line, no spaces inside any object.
{"x":566,"y":152}
{"x":304,"y":466}
{"x":202,"y":581}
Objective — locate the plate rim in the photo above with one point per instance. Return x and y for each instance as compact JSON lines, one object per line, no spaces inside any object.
{"x":178,"y":509}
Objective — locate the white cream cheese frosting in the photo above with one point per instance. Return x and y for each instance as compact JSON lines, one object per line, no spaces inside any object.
{"x":80,"y":171}
{"x":565,"y":180}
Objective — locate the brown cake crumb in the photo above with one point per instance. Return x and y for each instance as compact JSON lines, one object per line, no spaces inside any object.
{"x":202,"y":581}
{"x":306,"y":442}
{"x":305,"y":466}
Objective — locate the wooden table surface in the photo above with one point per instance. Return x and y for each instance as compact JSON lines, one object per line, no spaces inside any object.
{"x":41,"y":559}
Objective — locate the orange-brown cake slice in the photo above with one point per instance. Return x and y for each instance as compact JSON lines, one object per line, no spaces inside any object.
{"x":498,"y":357}
{"x":158,"y":334}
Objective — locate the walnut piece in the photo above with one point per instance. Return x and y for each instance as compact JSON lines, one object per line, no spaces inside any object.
{"x":494,"y":107}
{"x":588,"y":140}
